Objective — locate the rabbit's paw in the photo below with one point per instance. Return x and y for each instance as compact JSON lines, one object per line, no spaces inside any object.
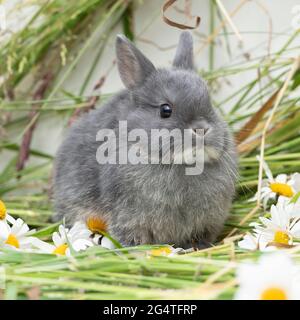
{"x":201,"y":244}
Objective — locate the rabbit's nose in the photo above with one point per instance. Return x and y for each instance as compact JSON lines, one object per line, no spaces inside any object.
{"x":204,"y":130}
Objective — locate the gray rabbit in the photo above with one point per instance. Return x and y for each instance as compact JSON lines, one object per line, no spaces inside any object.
{"x":150,"y":203}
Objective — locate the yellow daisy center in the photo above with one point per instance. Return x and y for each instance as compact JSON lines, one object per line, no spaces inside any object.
{"x":281,"y":237}
{"x":273,"y":293}
{"x":61,"y":250}
{"x":13,"y":241}
{"x":96,"y":224}
{"x":282,"y":189}
{"x":2,"y":210}
{"x":161,"y":251}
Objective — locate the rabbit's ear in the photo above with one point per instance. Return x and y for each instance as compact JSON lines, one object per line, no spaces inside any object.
{"x":133,"y":66}
{"x":184,"y":54}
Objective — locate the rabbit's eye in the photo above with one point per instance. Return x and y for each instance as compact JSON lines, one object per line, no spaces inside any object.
{"x":165,"y":110}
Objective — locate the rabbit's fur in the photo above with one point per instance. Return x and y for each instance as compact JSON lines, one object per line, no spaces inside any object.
{"x":144,"y":203}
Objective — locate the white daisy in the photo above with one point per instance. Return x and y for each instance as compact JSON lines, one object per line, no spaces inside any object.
{"x":293,"y":206}
{"x":98,"y":226}
{"x":280,"y":229}
{"x":16,"y":236}
{"x":105,"y":242}
{"x":274,"y":277}
{"x":4,"y":215}
{"x":281,"y":186}
{"x":295,"y":200}
{"x":295,"y":177}
{"x":78,"y":237}
{"x":166,"y":251}
{"x":254,"y":242}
